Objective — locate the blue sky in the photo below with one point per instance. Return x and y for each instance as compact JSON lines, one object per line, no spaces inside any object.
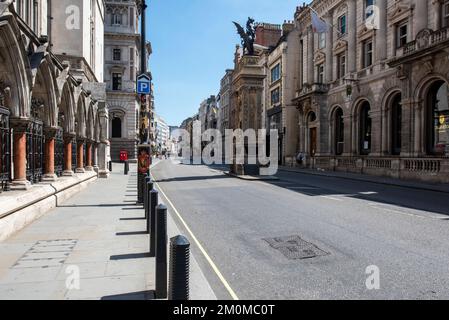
{"x":193,"y":44}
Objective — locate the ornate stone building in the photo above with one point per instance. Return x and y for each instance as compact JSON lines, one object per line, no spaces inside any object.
{"x":122,"y":66}
{"x":53,"y":119}
{"x":374,"y":100}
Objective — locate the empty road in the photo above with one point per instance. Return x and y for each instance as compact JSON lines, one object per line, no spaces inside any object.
{"x":341,"y":227}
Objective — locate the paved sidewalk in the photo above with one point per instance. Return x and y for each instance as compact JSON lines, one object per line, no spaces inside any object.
{"x":98,"y":232}
{"x":373,"y":179}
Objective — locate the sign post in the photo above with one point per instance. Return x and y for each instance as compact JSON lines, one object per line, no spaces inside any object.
{"x":144,"y":148}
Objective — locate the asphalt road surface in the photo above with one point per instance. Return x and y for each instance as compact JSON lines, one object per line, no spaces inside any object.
{"x":347,"y":226}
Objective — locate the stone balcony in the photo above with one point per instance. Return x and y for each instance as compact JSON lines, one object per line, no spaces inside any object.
{"x":426,"y":169}
{"x":427,"y":41}
{"x":315,"y":88}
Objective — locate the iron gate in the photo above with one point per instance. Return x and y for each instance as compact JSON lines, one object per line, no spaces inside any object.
{"x":74,"y":157}
{"x":5,"y":150}
{"x":59,"y":152}
{"x":35,"y":151}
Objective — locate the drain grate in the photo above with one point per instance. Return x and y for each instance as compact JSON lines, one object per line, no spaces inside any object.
{"x":295,"y":248}
{"x":45,"y":254}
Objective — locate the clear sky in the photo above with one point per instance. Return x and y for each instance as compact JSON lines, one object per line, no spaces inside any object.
{"x":193,"y":44}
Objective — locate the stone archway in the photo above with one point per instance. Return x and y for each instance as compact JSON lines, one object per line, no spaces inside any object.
{"x":43,"y":128}
{"x":362,"y":133}
{"x":436,"y":126}
{"x":15,"y":94}
{"x":78,"y":144}
{"x":337,"y":131}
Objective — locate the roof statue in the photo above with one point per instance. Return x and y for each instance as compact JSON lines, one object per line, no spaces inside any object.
{"x":247,"y":36}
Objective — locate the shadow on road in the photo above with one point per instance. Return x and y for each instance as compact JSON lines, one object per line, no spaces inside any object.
{"x":194,"y":178}
{"x":318,"y":186}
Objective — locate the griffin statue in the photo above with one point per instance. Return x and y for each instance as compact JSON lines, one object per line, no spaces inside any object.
{"x":248,"y":37}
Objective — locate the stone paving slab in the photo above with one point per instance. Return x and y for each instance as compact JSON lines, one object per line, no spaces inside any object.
{"x":82,"y":233}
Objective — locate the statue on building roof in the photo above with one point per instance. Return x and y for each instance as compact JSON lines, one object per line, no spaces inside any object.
{"x":248,"y":37}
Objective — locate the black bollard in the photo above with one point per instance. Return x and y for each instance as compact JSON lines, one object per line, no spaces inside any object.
{"x":178,"y":288}
{"x":110,"y":166}
{"x":161,"y":252}
{"x":126,"y":168}
{"x":154,"y":199}
{"x":146,"y":199}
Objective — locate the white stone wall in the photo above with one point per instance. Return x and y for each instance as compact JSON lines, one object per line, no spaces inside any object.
{"x":71,"y":32}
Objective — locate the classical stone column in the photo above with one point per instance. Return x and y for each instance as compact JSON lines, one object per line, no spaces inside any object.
{"x":89,"y":166}
{"x":381,"y":33}
{"x":408,"y":130}
{"x":49,"y":174}
{"x":420,"y":17}
{"x":19,"y":128}
{"x":376,"y":133}
{"x":437,"y":11}
{"x":80,"y":156}
{"x":347,"y":147}
{"x":418,"y":138}
{"x":352,"y":36}
{"x":103,"y":171}
{"x":329,"y":48}
{"x":310,"y":49}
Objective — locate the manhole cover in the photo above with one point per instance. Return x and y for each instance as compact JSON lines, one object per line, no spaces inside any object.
{"x":295,"y":248}
{"x":45,"y":254}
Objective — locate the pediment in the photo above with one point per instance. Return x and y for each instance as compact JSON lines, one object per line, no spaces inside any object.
{"x":340,"y":45}
{"x":320,"y":56}
{"x":365,"y":33}
{"x":400,"y":12}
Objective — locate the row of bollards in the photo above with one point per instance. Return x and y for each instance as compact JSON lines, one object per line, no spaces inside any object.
{"x":156,"y":215}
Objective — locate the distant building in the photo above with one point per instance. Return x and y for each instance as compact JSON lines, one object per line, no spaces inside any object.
{"x":122,"y":66}
{"x":162,"y":131}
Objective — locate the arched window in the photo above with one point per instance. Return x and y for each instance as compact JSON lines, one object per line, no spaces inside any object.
{"x":365,"y":129}
{"x":116,"y":128}
{"x":339,"y":132}
{"x":396,"y":125}
{"x":438,"y":119}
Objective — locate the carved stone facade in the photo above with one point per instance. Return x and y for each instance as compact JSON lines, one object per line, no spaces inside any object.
{"x":373,"y":101}
{"x":246,"y":111}
{"x":122,"y":66}
{"x":51,"y":94}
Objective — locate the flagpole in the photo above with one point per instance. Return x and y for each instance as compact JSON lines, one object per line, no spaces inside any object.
{"x":329,"y":24}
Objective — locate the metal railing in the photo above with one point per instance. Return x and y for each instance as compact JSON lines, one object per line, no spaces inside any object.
{"x":35,"y":140}
{"x":5,"y":150}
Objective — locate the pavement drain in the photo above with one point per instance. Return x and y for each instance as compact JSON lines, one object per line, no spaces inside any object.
{"x":46,"y":254}
{"x":295,"y":248}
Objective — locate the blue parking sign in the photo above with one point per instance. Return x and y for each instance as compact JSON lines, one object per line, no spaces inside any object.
{"x":143,"y":84}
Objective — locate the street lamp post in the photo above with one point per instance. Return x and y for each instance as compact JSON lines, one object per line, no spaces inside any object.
{"x":144,"y":148}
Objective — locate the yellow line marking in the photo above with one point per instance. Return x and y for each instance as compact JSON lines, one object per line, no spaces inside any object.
{"x":203,"y":251}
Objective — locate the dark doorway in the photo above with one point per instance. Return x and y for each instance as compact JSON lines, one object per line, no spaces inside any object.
{"x":116,"y":128}
{"x":396,"y":125}
{"x":365,"y":129}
